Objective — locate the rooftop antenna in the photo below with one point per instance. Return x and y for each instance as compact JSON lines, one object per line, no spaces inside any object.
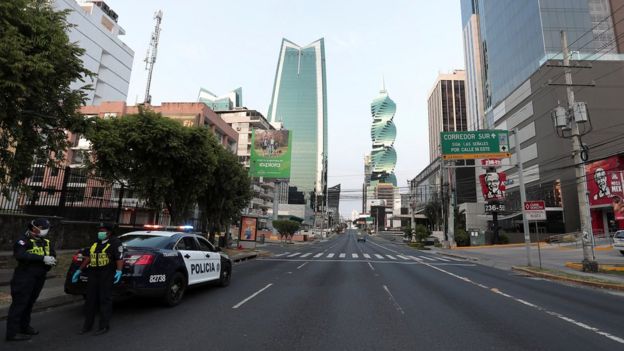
{"x":383,"y":84}
{"x":150,"y":58}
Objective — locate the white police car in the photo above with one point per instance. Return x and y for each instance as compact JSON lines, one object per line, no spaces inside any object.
{"x":162,"y":264}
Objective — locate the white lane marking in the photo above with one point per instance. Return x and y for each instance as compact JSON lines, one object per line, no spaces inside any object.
{"x":427,"y":258}
{"x":366,"y":255}
{"x":364,"y":261}
{"x":306,"y":254}
{"x":342,"y":255}
{"x":330,"y":255}
{"x":416,"y":258}
{"x":442,"y":259}
{"x":371,"y":266}
{"x":295,"y":254}
{"x":391,"y":257}
{"x":354,"y":255}
{"x":379,"y":256}
{"x":532,"y":305}
{"x":303,"y":265}
{"x":455,"y":259}
{"x":396,"y":304}
{"x":252,"y":296}
{"x":318,"y":255}
{"x":402,"y":257}
{"x":282,"y":254}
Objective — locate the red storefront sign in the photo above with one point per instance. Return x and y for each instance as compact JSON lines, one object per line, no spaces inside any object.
{"x":493,"y":185}
{"x":604,"y":180}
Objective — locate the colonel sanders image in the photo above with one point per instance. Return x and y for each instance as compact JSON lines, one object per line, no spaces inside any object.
{"x":492,"y":180}
{"x":600,"y":177}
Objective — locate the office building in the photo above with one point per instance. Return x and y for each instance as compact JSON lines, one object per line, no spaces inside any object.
{"x":299,"y":102}
{"x":95,"y":29}
{"x":446,"y":107}
{"x":227,"y":102}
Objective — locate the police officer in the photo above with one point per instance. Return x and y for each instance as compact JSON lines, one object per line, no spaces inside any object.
{"x":35,"y":256}
{"x":104,"y":260}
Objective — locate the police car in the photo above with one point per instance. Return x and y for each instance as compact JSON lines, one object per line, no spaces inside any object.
{"x":161,"y":264}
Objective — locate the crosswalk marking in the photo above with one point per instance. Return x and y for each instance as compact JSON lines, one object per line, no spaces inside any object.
{"x":379,"y":256}
{"x":455,"y":259}
{"x":306,"y":254}
{"x":295,"y":254}
{"x":366,"y":255}
{"x":354,"y":255}
{"x":282,"y":254}
{"x":443,"y":259}
{"x":416,"y":258}
{"x":391,"y":257}
{"x":342,"y":255}
{"x":331,"y":255}
{"x":403,"y":257}
{"x":318,"y":255}
{"x":427,"y":258}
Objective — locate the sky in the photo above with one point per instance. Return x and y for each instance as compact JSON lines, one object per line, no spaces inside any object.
{"x":222,"y":45}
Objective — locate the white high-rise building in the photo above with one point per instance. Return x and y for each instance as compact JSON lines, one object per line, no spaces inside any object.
{"x":96,"y":30}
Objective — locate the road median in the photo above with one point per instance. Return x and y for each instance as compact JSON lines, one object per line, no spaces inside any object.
{"x":568,"y":277}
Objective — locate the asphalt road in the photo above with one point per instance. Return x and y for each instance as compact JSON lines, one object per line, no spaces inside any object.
{"x":345,"y":295}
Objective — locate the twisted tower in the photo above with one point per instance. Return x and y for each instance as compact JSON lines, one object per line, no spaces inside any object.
{"x":383,"y":133}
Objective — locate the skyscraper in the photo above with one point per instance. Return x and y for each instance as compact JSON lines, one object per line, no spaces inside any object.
{"x":383,"y":133}
{"x":299,"y":101}
{"x":446,"y":107}
{"x":227,"y":102}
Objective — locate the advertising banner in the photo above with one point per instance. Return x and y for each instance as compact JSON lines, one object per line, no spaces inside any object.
{"x":604,"y":180}
{"x":249,"y":228}
{"x":493,"y":185}
{"x":270,"y":154}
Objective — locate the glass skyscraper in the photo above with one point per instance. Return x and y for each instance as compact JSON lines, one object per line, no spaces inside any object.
{"x":506,"y":41}
{"x":299,"y":102}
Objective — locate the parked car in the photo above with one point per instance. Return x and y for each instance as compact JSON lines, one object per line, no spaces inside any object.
{"x":431,"y":240}
{"x":618,"y":241}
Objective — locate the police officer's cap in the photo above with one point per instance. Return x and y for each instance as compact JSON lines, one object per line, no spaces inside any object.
{"x":108,"y":226}
{"x":40,"y":223}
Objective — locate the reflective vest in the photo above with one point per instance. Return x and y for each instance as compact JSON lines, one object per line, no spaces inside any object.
{"x":99,"y":259}
{"x":39,"y":250}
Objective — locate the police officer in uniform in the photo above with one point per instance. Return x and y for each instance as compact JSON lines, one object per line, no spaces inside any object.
{"x":104,"y":262}
{"x":35,"y":256}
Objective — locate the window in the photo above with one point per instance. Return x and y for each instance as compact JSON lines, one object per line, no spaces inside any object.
{"x":144,"y":241}
{"x":38,"y":173}
{"x":75,"y":194}
{"x":205,"y":245}
{"x":97,"y":191}
{"x":187,"y":243}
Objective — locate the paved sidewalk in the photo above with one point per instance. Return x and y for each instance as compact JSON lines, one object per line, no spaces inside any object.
{"x":53,"y":293}
{"x":552,"y":257}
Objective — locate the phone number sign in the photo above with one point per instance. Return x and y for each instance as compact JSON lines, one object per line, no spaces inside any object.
{"x":475,"y":144}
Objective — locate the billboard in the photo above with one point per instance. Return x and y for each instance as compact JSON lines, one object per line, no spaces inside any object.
{"x":493,"y":185}
{"x":270,"y":154}
{"x":248,"y":229}
{"x":604,"y":180}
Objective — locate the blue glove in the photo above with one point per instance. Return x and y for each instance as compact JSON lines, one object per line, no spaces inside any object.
{"x":117,"y":277}
{"x":76,"y":276}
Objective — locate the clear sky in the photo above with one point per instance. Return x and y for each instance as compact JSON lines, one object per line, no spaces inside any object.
{"x":222,"y":45}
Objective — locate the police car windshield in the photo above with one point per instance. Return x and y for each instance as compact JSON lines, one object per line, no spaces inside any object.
{"x":154,"y":241}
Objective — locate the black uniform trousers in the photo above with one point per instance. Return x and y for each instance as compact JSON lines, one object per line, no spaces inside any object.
{"x":99,"y":297}
{"x":26,"y":285}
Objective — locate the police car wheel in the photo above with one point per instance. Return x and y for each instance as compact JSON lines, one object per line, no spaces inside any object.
{"x":224,"y":277}
{"x":175,"y":289}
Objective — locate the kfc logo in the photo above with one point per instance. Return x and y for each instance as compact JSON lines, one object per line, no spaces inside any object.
{"x":493,"y":185}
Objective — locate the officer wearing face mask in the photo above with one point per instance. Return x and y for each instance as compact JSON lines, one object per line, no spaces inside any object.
{"x":35,"y":256}
{"x":104,"y":262}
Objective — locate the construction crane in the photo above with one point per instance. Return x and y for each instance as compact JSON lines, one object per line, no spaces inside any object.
{"x":150,"y":58}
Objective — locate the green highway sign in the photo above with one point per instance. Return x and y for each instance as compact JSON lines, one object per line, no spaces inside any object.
{"x":475,"y":144}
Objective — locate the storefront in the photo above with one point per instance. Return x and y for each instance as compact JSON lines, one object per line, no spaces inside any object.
{"x":605,"y":179}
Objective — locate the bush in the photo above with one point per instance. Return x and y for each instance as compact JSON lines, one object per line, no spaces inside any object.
{"x":503,"y":238}
{"x":407,"y":232}
{"x":462,"y":238}
{"x":421,"y":232}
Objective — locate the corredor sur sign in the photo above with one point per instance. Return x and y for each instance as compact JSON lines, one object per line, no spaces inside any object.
{"x":535,"y":210}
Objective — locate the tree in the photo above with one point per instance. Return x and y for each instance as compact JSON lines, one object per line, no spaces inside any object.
{"x":38,"y":64}
{"x":433,"y":212}
{"x":165,"y":163}
{"x":227,"y":194}
{"x":286,"y":227}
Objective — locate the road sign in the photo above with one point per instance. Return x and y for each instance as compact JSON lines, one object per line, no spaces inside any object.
{"x":535,"y":210}
{"x":475,"y":144}
{"x":491,"y":162}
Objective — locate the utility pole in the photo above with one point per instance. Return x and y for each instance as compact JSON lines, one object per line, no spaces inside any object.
{"x":150,"y":58}
{"x":567,"y":121}
{"x":525,"y":220}
{"x":451,"y":211}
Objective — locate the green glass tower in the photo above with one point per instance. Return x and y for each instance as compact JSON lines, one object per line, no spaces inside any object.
{"x":299,"y":102}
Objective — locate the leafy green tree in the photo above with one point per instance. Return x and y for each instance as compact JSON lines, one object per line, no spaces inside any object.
{"x":227,"y":194}
{"x":165,"y":163}
{"x":286,"y":227}
{"x":38,"y":64}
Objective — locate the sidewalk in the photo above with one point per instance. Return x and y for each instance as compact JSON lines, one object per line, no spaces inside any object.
{"x":53,"y":293}
{"x":552,"y":256}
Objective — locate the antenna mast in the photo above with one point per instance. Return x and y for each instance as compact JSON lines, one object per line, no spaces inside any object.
{"x":150,"y":58}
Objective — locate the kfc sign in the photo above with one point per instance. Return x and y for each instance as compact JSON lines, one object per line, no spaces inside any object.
{"x":493,"y":185}
{"x":604,"y":180}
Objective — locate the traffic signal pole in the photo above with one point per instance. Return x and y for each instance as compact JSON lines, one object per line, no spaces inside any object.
{"x":525,"y":220}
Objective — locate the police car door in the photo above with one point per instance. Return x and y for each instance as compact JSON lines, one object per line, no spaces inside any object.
{"x":194,"y":259}
{"x":214,"y":258}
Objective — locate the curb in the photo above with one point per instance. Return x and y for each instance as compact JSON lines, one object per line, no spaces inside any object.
{"x":45,"y":304}
{"x":468,"y":258}
{"x":571,"y":280}
{"x":244,"y":257}
{"x":601,"y":267}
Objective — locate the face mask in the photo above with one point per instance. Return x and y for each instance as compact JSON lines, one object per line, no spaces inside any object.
{"x":43,"y":232}
{"x":102,"y":235}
